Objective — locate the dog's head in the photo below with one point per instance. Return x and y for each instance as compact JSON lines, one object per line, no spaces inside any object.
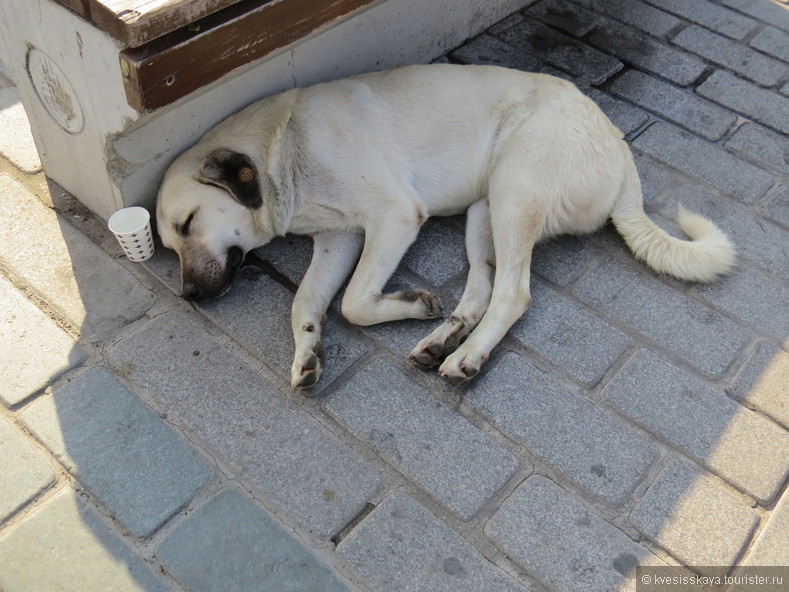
{"x":208,"y":211}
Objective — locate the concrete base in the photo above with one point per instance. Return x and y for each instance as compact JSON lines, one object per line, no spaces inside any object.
{"x":109,"y":156}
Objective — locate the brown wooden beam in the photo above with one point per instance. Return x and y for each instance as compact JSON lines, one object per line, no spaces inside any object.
{"x":169,"y":68}
{"x":136,"y":22}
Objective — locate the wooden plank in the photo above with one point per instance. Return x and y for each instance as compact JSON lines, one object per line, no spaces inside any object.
{"x":165,"y":70}
{"x":136,"y":22}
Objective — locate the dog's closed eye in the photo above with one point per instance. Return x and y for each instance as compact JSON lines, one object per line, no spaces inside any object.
{"x":183,"y":229}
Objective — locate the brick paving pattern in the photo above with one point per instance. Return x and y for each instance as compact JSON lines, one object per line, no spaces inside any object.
{"x":628,"y":419}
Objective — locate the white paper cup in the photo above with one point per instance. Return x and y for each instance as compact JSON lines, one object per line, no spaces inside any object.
{"x":132,"y":227}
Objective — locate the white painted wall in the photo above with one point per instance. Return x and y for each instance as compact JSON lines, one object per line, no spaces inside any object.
{"x":88,"y":59}
{"x":119,"y":157}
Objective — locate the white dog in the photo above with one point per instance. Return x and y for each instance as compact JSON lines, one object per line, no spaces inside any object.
{"x":361,"y":163}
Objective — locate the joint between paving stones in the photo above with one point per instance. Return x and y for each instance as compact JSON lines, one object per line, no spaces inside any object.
{"x":40,"y":301}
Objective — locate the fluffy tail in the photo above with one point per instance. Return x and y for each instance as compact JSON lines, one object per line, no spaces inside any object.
{"x":706,"y":257}
{"x":709,"y":255}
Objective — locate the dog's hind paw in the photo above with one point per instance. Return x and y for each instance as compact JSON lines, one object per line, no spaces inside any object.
{"x":460,"y":367}
{"x":432,"y":350}
{"x":306,"y":369}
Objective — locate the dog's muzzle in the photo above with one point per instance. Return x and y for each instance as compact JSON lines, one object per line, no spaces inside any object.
{"x":215,"y":280}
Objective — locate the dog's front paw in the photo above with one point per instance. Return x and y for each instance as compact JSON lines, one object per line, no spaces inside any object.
{"x":461,"y":366}
{"x":427,"y":356}
{"x":427,"y":302}
{"x":307,"y":367}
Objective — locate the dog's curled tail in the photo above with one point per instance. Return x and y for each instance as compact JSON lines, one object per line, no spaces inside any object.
{"x":706,"y":257}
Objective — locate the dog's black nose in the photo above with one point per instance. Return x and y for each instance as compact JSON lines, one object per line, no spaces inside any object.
{"x":191,"y":291}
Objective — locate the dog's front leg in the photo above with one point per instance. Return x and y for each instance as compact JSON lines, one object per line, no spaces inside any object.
{"x":386,"y":241}
{"x":333,"y":257}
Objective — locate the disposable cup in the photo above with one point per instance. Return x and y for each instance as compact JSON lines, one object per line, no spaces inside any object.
{"x":132,"y":227}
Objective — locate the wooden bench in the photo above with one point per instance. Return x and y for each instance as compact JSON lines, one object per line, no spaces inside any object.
{"x":174,"y":47}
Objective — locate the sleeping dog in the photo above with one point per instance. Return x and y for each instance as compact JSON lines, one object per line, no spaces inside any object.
{"x":360,"y":164}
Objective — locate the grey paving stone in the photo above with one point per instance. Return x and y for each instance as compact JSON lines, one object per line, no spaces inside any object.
{"x":402,"y":336}
{"x":124,"y":454}
{"x":684,"y":108}
{"x":562,"y":331}
{"x":654,"y":178}
{"x":562,"y":259}
{"x":755,"y":238}
{"x":508,"y":22}
{"x":562,"y":543}
{"x":636,"y":14}
{"x":207,"y":390}
{"x":257,"y":311}
{"x":703,"y":337}
{"x":778,"y":207}
{"x":702,"y":160}
{"x":65,"y":546}
{"x":624,"y":116}
{"x":231,"y":543}
{"x":772,"y":545}
{"x":433,"y":445}
{"x":752,"y":297}
{"x":763,"y":383}
{"x":741,"y":446}
{"x":774,"y":42}
{"x":561,"y":51}
{"x":633,"y":47}
{"x":770,"y":12}
{"x":16,"y":141}
{"x":439,"y":253}
{"x":762,"y":105}
{"x":75,"y":276}
{"x":290,"y":255}
{"x":34,"y":350}
{"x":762,"y":144}
{"x":489,"y":51}
{"x":26,"y":472}
{"x":710,"y":15}
{"x":164,"y":265}
{"x":566,"y":16}
{"x":694,"y":519}
{"x":732,"y":55}
{"x":591,"y":448}
{"x":401,"y":546}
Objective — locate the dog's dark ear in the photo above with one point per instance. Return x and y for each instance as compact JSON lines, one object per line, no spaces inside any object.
{"x":234,"y":172}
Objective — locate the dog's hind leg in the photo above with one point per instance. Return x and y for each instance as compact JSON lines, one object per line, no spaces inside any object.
{"x":517,"y":223}
{"x":333,"y":257}
{"x":386,"y":241}
{"x":432,"y":350}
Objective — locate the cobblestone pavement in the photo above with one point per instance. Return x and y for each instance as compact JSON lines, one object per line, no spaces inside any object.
{"x":628,"y":419}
